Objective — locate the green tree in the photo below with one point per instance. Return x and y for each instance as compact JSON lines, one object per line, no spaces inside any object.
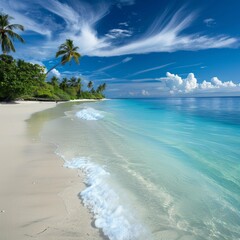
{"x":54,"y":81}
{"x":101,"y":88}
{"x":72,"y":82}
{"x":68,"y":52}
{"x":63,"y":85}
{"x":19,"y":78}
{"x":104,"y":85}
{"x":7,"y":34}
{"x":78,"y":86}
{"x":90,"y":84}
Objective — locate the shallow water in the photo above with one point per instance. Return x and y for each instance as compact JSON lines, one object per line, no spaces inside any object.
{"x":155,"y":168}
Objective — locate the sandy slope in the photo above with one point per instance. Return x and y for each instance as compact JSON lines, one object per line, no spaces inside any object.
{"x":38,"y":197}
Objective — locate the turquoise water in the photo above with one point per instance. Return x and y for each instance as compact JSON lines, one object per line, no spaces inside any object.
{"x":156,"y":168}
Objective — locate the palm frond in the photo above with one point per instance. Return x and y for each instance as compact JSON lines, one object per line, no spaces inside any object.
{"x":75,"y":48}
{"x":15,"y":26}
{"x":66,"y":58}
{"x":7,"y":33}
{"x":61,"y":52}
{"x":14,"y":35}
{"x":7,"y":45}
{"x":76,"y":57}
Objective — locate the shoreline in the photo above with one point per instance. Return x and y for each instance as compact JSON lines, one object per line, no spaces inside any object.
{"x":38,"y":196}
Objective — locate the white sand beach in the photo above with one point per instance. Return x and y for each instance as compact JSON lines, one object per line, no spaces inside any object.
{"x":38,"y":197}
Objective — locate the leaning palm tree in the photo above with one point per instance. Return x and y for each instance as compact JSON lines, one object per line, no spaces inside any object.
{"x":7,"y":34}
{"x":68,"y":52}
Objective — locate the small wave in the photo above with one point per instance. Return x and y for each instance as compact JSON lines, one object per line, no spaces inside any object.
{"x":115,"y":221}
{"x":89,"y":114}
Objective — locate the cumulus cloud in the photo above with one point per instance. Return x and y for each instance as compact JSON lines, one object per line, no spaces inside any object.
{"x":145,"y":92}
{"x":172,"y":85}
{"x":55,"y":73}
{"x":178,"y":85}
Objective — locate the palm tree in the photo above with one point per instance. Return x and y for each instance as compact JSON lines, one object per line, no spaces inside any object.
{"x":104,"y":85}
{"x":72,"y":82}
{"x":7,"y":34}
{"x":63,"y":85}
{"x":54,"y":81}
{"x":90,"y":84}
{"x":68,"y":52}
{"x":101,"y":88}
{"x":78,"y":85}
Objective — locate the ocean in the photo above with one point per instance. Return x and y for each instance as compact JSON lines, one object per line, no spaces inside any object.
{"x":165,"y":168}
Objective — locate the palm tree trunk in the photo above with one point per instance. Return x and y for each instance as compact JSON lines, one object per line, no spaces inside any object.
{"x":52,"y":68}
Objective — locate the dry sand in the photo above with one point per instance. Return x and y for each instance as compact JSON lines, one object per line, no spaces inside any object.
{"x":38,"y":197}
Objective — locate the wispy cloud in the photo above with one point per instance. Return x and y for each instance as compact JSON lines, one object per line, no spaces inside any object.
{"x":125,"y":60}
{"x":146,"y":80}
{"x":188,"y":66}
{"x":18,"y":11}
{"x":121,"y":3}
{"x":102,"y":71}
{"x":210,"y":22}
{"x":78,"y":22}
{"x":150,"y":69}
{"x":166,"y":36}
{"x":125,"y":24}
{"x":118,"y":33}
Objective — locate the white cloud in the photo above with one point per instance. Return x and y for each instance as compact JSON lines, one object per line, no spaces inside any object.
{"x":174,"y":84}
{"x":145,"y":92}
{"x":210,"y":22}
{"x":103,"y":69}
{"x":150,"y":69}
{"x":125,"y":24}
{"x":187,"y":66}
{"x":17,"y":10}
{"x":165,"y":35}
{"x":118,"y":33}
{"x":127,"y":59}
{"x":55,"y":72}
{"x":121,"y":3}
{"x":78,"y":22}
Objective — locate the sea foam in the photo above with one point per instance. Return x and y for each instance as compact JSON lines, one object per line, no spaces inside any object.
{"x":115,"y":221}
{"x":89,"y":114}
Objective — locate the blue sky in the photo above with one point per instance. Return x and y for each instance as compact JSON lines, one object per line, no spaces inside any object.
{"x":139,"y":48}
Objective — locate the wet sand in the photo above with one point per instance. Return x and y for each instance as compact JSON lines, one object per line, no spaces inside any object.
{"x":38,"y":197}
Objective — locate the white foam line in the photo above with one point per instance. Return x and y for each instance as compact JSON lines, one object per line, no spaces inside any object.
{"x":115,"y":221}
{"x":89,"y":114}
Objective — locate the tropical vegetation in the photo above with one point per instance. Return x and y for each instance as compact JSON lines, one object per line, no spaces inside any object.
{"x":23,"y":80}
{"x":68,"y":52}
{"x":7,"y":34}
